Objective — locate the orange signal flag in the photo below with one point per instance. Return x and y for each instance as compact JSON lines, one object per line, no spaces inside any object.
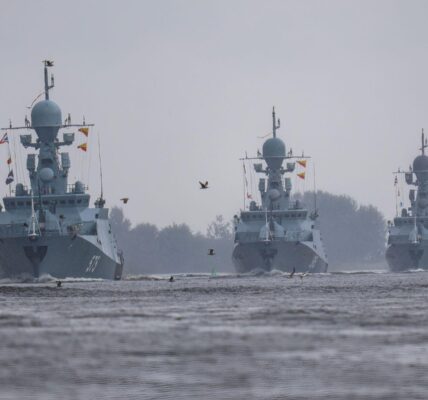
{"x":83,"y":146}
{"x":9,"y":161}
{"x":85,"y":131}
{"x":301,"y":175}
{"x":302,"y":163}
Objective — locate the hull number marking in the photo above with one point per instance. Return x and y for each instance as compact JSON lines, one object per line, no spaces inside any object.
{"x":93,"y":264}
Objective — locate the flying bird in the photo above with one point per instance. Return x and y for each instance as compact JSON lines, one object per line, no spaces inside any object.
{"x":203,"y":185}
{"x":124,"y":200}
{"x":211,"y":252}
{"x":303,"y":275}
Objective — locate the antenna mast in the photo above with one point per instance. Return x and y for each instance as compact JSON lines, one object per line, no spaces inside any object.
{"x":424,"y":143}
{"x":315,"y":190}
{"x":47,"y":64}
{"x":101,"y":167}
{"x":274,"y":123}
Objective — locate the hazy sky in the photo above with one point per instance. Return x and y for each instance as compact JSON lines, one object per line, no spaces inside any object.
{"x":179,"y":90}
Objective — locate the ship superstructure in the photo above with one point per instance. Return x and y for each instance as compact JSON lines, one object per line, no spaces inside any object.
{"x":408,"y":232}
{"x":279,"y":233}
{"x":50,"y":228}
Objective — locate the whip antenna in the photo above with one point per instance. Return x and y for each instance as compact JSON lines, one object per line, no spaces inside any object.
{"x":101,"y":167}
{"x":315,"y":189}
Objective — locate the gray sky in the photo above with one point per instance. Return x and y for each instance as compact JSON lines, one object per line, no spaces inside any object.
{"x":179,"y":90}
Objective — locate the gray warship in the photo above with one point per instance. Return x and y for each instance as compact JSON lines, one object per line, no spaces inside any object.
{"x":50,"y":228}
{"x":279,"y":234}
{"x":408,"y":233}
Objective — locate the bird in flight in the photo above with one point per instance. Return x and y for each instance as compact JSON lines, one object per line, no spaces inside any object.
{"x":124,"y":200}
{"x":211,"y":252}
{"x":203,"y":185}
{"x":303,"y":275}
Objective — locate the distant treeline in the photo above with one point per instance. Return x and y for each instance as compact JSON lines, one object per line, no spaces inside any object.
{"x":352,"y":234}
{"x":175,"y":248}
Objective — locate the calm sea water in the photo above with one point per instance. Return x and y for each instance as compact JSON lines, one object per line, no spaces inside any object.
{"x":328,"y":336}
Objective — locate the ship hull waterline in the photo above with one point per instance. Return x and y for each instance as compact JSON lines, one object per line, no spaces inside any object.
{"x":282,"y":256}
{"x":60,"y":257}
{"x":406,"y":256}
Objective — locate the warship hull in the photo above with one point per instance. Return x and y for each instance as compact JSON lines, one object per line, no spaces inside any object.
{"x":282,"y":256}
{"x":402,"y":257}
{"x":60,"y":257}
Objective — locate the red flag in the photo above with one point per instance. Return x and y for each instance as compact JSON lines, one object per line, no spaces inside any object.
{"x":83,"y":146}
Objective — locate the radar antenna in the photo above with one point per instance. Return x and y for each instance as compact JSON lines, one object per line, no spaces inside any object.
{"x":424,"y":143}
{"x":101,"y":167}
{"x":48,"y":64}
{"x":100,"y":201}
{"x":274,"y":123}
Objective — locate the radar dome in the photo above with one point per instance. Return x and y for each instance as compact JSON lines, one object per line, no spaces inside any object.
{"x":420,"y":163}
{"x":46,"y":174}
{"x":46,"y":118}
{"x":79,"y":187}
{"x":274,"y":152}
{"x":274,"y":194}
